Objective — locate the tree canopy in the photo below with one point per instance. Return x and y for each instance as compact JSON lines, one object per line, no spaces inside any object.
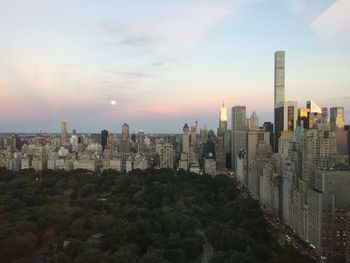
{"x":146,"y":216}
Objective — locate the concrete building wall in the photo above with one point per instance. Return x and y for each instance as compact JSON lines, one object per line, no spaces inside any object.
{"x":116,"y":164}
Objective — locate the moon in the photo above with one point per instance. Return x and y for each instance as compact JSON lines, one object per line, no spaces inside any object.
{"x":113,"y":102}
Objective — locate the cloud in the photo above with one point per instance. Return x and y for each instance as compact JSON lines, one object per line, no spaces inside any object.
{"x":129,"y":75}
{"x":174,"y":31}
{"x":20,"y":3}
{"x":297,"y":7}
{"x":335,"y":21}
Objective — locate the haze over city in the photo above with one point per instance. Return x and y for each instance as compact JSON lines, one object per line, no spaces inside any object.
{"x":159,"y":64}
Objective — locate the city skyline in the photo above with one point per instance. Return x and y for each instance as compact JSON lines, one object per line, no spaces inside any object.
{"x":157,"y":66}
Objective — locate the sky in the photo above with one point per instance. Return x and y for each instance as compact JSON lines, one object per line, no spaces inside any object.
{"x":158,"y":64}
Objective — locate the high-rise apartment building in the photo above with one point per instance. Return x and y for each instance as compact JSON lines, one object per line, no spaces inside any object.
{"x":166,"y":155}
{"x":328,"y":203}
{"x":279,"y":77}
{"x":279,"y":94}
{"x":319,"y":149}
{"x":254,"y":140}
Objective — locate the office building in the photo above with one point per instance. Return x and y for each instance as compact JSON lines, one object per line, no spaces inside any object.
{"x":239,"y":137}
{"x":337,"y":118}
{"x":286,"y":116}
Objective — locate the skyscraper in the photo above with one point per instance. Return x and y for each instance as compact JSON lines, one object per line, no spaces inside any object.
{"x":303,"y":117}
{"x":337,"y":119}
{"x":204,"y":135}
{"x":125,"y":131}
{"x":193,"y":141}
{"x":254,"y":122}
{"x":239,"y":131}
{"x":193,"y":157}
{"x":279,"y":76}
{"x":64,"y":134}
{"x":220,"y":153}
{"x":141,"y":137}
{"x":186,"y":139}
{"x":104,"y":136}
{"x":279,"y":87}
{"x":286,"y":112}
{"x":268,"y":127}
{"x":184,"y":158}
{"x":286,"y":116}
{"x":324,"y":112}
{"x":125,"y":143}
{"x":223,"y":118}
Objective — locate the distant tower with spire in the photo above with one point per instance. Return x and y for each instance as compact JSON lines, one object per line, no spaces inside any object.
{"x":223,"y":117}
